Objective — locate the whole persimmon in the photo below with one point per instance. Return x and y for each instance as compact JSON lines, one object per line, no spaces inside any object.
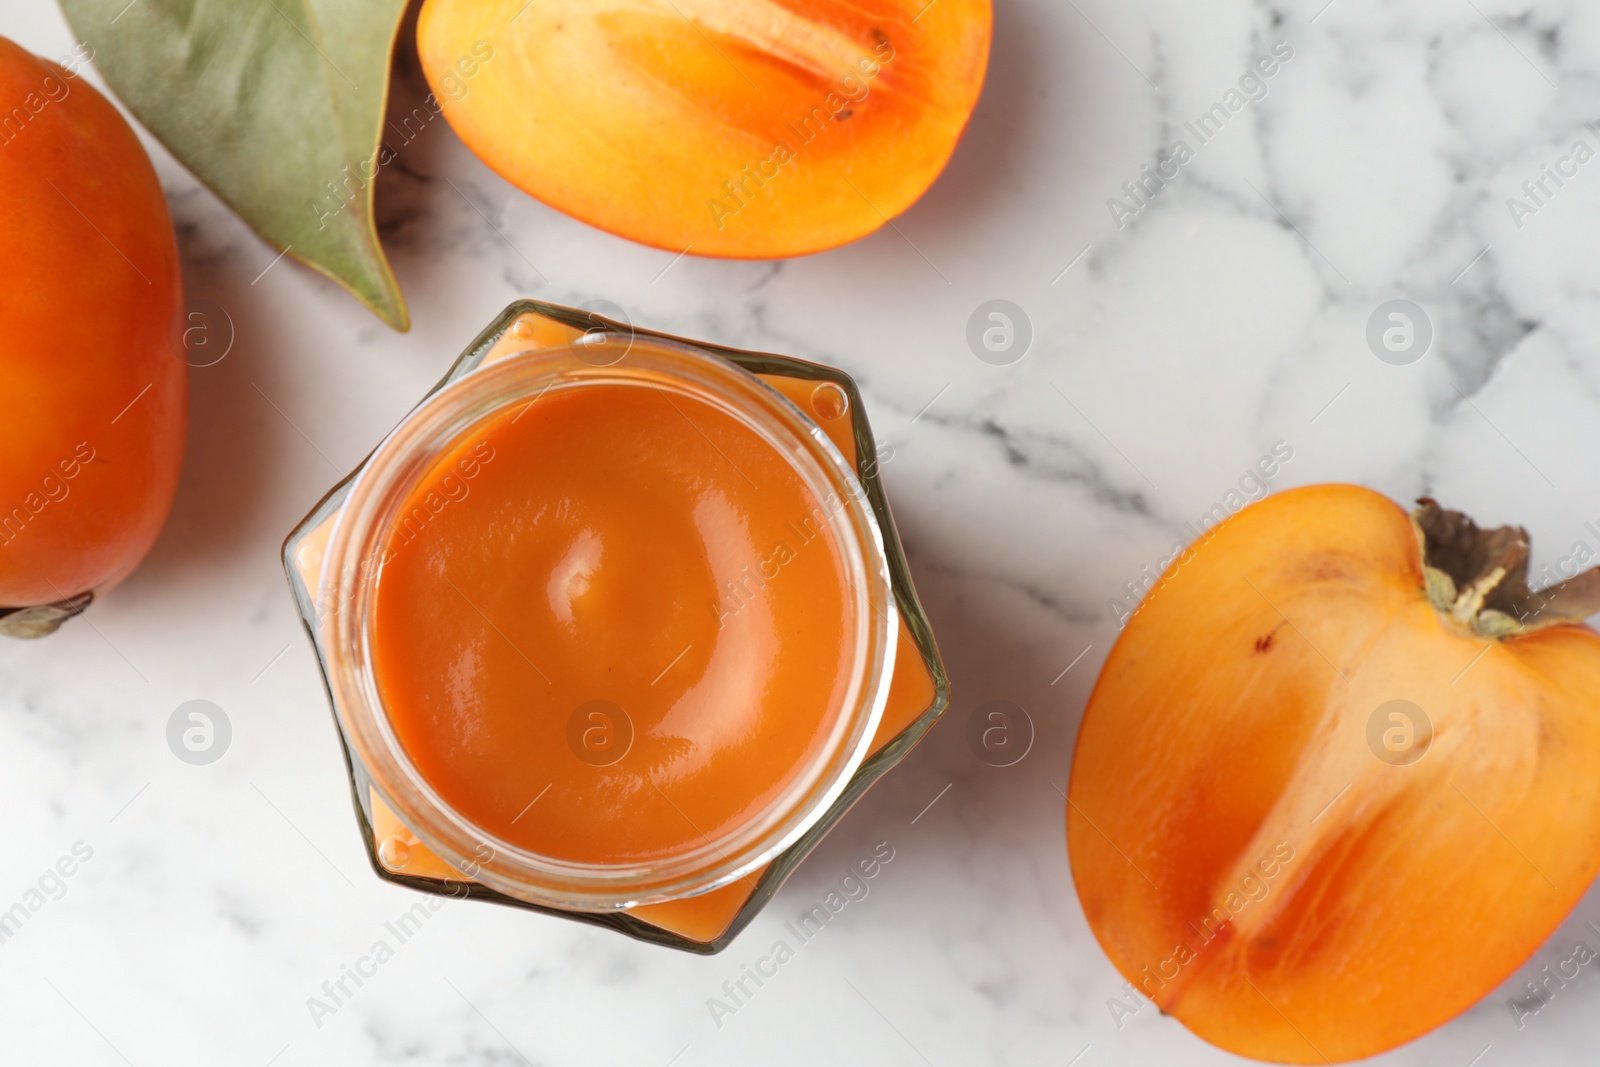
{"x":1337,"y":779}
{"x":736,"y":128}
{"x":93,"y":392}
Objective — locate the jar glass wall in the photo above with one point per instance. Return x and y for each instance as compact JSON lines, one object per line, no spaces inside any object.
{"x":701,"y":899}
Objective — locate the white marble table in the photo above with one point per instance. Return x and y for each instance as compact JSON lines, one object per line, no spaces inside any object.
{"x":1226,"y":315}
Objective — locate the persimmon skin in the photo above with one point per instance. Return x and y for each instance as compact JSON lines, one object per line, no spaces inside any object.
{"x":732,"y":128}
{"x":93,"y":395}
{"x":1230,"y":725}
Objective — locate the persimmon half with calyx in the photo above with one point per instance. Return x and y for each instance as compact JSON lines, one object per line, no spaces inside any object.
{"x":1337,"y":779}
{"x":93,"y":393}
{"x":736,"y":128}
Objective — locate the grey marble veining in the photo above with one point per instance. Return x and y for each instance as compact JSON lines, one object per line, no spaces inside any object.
{"x":1173,"y":345}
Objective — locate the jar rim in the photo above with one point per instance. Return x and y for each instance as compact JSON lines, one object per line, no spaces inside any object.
{"x":353,"y":563}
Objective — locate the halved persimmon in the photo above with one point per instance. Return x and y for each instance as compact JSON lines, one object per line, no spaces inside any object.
{"x":1338,"y":777}
{"x":738,"y":128}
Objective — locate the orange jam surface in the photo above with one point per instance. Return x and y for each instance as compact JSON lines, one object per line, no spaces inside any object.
{"x":613,"y":624}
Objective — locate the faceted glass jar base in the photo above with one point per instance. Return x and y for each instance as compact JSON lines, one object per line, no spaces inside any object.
{"x":919,"y":690}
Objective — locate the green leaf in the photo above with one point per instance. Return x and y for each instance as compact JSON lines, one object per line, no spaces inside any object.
{"x":276,"y":105}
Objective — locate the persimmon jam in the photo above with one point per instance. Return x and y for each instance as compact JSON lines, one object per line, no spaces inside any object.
{"x":613,"y":624}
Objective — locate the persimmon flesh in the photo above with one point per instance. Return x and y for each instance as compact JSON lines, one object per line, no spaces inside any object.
{"x":1277,"y":854}
{"x":93,"y":394}
{"x":736,"y":128}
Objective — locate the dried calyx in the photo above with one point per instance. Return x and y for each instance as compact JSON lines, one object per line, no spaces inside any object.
{"x":43,"y":620}
{"x":1478,"y":579}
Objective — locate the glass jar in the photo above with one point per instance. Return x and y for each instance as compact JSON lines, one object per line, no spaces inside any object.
{"x":698,"y":900}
